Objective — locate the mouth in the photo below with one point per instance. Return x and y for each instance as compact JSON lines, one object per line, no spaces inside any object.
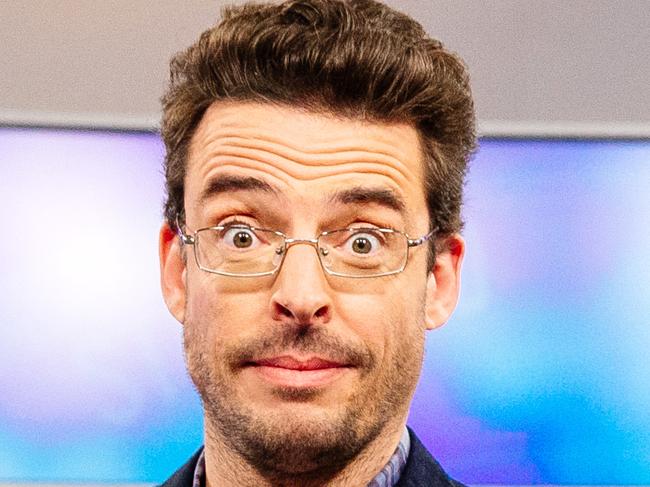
{"x":298,"y":372}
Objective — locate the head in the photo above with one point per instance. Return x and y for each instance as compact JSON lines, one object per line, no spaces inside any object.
{"x":268,"y":119}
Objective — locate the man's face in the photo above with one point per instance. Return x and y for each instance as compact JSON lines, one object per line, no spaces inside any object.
{"x":302,"y":369}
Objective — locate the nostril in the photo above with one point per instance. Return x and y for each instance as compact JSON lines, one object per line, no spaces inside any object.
{"x":282,"y":311}
{"x":286,"y":313}
{"x":321,"y":312}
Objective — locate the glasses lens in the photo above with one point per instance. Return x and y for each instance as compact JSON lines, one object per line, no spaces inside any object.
{"x":363,"y":252}
{"x":238,"y":250}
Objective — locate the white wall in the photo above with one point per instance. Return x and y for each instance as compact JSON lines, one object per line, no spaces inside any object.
{"x":545,"y":63}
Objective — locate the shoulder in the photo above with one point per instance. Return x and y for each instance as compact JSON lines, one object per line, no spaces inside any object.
{"x":184,"y":476}
{"x":422,"y":470}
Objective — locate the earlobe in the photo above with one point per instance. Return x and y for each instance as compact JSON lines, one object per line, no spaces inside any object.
{"x":443,"y":284}
{"x":172,"y":272}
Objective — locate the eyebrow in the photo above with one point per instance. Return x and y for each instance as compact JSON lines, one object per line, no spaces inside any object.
{"x":230,"y":183}
{"x":358,"y":195}
{"x":363,"y":195}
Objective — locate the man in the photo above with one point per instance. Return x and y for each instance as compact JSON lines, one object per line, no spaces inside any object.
{"x":316,"y":151}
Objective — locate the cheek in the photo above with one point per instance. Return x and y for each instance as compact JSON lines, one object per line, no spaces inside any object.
{"x":223,"y":308}
{"x":385,"y":321}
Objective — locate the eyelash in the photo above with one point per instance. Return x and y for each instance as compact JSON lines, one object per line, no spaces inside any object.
{"x":367,"y":224}
{"x":234,"y":221}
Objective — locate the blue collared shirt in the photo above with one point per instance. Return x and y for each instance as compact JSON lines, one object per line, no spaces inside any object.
{"x":388,"y":477}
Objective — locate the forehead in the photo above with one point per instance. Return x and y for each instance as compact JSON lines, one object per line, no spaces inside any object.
{"x":304,"y":154}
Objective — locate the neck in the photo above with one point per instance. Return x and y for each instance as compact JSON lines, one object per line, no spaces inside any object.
{"x":225,"y":468}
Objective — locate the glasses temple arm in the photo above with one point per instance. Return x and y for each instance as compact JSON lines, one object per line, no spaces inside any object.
{"x":414,"y":242}
{"x":185,"y":239}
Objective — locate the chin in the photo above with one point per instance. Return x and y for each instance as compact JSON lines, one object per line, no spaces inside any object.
{"x":301,"y":439}
{"x":293,"y":438}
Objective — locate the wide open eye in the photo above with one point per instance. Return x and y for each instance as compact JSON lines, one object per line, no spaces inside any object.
{"x":240,"y":237}
{"x":364,"y":243}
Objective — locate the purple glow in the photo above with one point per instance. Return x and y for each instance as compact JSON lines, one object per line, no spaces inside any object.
{"x":543,"y":366}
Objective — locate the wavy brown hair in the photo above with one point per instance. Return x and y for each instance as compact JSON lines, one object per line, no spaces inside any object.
{"x":356,"y":58}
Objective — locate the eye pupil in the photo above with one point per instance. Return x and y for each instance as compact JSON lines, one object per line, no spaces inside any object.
{"x":361,"y":245}
{"x":243,"y":240}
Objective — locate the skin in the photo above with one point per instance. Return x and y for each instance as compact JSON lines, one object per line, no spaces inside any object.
{"x":275,"y":425}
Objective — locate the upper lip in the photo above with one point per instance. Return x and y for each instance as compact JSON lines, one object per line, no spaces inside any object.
{"x":296,"y":363}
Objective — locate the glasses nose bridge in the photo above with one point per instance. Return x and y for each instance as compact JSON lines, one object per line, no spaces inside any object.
{"x":290,"y":242}
{"x":312,"y":242}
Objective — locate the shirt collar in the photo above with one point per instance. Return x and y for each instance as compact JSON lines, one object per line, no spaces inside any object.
{"x":392,"y":471}
{"x":199,"y":471}
{"x":388,"y":477}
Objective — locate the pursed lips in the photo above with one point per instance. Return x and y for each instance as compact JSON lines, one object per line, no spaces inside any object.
{"x":292,"y":363}
{"x":291,"y":371}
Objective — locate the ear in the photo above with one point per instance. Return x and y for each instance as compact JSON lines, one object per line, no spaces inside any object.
{"x":172,"y":272}
{"x":443,"y":284}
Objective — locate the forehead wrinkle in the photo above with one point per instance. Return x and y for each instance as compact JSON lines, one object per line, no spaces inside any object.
{"x":321,"y":154}
{"x":256,"y":136}
{"x":286,"y":170}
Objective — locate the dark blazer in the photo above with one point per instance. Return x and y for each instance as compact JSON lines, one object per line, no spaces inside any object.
{"x":421,"y":470}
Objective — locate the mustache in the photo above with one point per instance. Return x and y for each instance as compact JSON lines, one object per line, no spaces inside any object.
{"x":311,"y":340}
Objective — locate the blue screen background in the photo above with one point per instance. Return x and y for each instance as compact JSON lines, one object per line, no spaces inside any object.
{"x":541,"y":376}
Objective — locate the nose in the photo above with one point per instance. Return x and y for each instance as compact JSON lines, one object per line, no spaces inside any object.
{"x":300,"y":293}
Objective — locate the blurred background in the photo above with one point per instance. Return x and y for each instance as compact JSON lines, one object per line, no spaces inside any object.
{"x":542,"y":375}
